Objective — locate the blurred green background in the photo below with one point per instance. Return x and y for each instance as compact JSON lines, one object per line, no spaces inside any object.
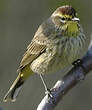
{"x":19,"y":19}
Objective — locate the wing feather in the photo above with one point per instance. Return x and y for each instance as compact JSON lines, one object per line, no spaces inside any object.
{"x":39,"y":43}
{"x":33,"y":51}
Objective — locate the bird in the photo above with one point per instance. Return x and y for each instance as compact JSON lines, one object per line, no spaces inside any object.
{"x":58,"y":42}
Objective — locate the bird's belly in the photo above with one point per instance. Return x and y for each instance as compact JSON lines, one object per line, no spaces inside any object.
{"x":46,"y":64}
{"x":49,"y":63}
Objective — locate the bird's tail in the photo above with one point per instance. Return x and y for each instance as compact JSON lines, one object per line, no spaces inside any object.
{"x":14,"y":90}
{"x":16,"y":86}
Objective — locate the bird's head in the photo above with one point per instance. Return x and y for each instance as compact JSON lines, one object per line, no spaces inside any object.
{"x":65,"y":17}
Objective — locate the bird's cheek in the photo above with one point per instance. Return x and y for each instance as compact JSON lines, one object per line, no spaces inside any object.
{"x":64,"y":27}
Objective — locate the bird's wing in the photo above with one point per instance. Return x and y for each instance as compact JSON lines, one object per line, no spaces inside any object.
{"x":34,"y":49}
{"x":38,"y":44}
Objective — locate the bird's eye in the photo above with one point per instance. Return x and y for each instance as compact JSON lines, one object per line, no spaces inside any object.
{"x":63,"y":19}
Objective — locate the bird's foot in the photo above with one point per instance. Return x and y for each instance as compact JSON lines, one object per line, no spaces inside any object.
{"x":48,"y":92}
{"x":78,"y":63}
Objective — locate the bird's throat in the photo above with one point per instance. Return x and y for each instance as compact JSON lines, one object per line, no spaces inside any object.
{"x":71,"y":29}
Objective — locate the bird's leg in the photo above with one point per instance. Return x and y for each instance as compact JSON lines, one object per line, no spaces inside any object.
{"x":47,"y":91}
{"x":77,"y":63}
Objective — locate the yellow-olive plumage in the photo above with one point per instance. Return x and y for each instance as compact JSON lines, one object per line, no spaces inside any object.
{"x":56,"y":44}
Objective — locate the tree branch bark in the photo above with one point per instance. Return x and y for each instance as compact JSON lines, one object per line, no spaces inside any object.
{"x":73,"y":77}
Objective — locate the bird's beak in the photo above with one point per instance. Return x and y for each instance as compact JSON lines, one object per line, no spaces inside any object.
{"x":75,"y":19}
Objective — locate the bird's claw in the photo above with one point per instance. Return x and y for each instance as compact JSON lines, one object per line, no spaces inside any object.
{"x":78,"y":62}
{"x":48,"y":92}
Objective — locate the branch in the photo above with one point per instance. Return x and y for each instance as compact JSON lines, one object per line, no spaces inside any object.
{"x":73,"y":77}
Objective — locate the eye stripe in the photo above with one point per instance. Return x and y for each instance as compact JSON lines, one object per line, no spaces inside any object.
{"x":66,"y":17}
{"x":63,"y":15}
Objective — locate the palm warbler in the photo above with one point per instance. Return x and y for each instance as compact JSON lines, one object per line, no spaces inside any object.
{"x":57,"y":43}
